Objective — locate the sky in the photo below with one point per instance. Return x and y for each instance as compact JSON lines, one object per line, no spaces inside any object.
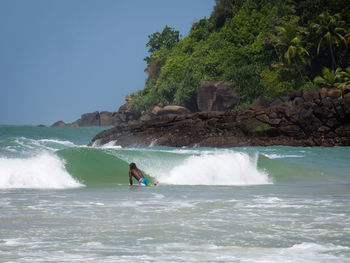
{"x":62,"y":58}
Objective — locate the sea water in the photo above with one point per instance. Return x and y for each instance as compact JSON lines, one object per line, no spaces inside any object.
{"x":61,"y":201}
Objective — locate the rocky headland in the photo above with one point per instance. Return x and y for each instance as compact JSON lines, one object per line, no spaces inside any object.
{"x":123,"y":116}
{"x":212,"y":96}
{"x":302,"y":118}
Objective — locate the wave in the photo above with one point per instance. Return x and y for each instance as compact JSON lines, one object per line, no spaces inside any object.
{"x":45,"y":171}
{"x":60,"y":163}
{"x":229,"y":168}
{"x":27,"y":147}
{"x":173,"y":166}
{"x":290,"y":172}
{"x":106,"y":167}
{"x":95,"y":167}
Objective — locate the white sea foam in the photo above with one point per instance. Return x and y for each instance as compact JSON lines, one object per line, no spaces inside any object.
{"x":281,"y":156}
{"x":153,"y":143}
{"x":14,"y":241}
{"x":96,"y":143}
{"x":220,"y":168}
{"x":111,"y":145}
{"x":22,"y":146}
{"x":44,"y":171}
{"x":62,"y":142}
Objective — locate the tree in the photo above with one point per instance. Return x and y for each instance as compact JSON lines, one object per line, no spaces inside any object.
{"x":289,"y":40}
{"x":329,"y":78}
{"x":331,"y":30}
{"x":167,"y":38}
{"x":160,"y":45}
{"x":223,"y":10}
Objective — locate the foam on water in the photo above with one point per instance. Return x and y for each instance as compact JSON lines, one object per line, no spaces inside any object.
{"x":109,"y":145}
{"x":282,"y":156}
{"x":221,"y":168}
{"x":45,"y":171}
{"x":56,"y":141}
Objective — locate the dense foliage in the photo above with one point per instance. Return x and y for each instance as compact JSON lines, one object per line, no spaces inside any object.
{"x":264,"y":47}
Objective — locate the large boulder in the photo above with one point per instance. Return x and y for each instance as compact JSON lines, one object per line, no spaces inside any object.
{"x":346,"y":89}
{"x":216,"y":96}
{"x":334,"y":93}
{"x":126,"y":114}
{"x":260,"y":103}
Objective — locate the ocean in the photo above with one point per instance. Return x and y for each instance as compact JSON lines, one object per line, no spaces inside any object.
{"x":61,"y":201}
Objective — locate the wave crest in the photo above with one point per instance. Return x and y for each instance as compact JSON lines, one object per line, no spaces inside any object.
{"x":45,"y":171}
{"x":229,"y":168}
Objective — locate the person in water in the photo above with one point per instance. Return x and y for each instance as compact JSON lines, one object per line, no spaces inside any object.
{"x":136,"y":172}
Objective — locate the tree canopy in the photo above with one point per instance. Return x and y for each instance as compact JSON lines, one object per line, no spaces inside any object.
{"x":264,"y":47}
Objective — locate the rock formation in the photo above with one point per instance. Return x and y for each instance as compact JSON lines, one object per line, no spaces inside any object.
{"x":171,"y":110}
{"x":59,"y":124}
{"x":309,"y":118}
{"x":216,"y":96}
{"x":88,"y":119}
{"x":124,"y":116}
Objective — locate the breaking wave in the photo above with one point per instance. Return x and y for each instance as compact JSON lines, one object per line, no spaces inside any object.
{"x":45,"y":171}
{"x":55,"y":161}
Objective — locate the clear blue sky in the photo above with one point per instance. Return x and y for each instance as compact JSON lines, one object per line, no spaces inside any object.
{"x":62,"y":58}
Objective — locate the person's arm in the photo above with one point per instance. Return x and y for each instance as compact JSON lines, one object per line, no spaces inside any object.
{"x":130,"y":178}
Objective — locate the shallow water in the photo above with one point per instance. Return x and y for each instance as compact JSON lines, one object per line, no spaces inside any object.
{"x":273,"y":223}
{"x":63,"y":202}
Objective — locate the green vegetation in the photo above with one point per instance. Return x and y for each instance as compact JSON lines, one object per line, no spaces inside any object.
{"x":333,"y":78}
{"x":266,"y":48}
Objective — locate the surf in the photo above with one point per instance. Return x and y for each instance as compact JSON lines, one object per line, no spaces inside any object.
{"x":58,"y":159}
{"x":104,"y":166}
{"x":45,"y":171}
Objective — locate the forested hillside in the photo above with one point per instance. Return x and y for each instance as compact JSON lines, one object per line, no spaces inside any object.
{"x":266,"y":48}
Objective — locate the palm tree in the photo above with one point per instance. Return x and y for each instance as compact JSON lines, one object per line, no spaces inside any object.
{"x":289,"y":39}
{"x":329,"y":78}
{"x":331,"y":31}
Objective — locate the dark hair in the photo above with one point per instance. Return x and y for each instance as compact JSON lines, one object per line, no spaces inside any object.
{"x":132,"y":166}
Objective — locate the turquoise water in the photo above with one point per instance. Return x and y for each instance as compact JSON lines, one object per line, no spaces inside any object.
{"x":61,"y":201}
